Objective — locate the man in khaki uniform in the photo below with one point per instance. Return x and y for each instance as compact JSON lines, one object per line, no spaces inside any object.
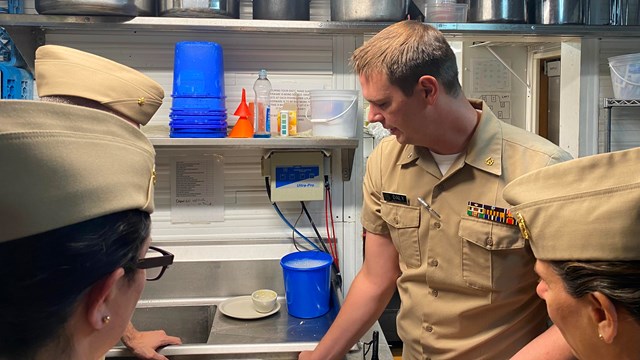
{"x":437,"y":226}
{"x":73,"y":77}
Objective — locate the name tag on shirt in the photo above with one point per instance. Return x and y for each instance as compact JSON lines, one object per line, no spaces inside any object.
{"x":395,"y":198}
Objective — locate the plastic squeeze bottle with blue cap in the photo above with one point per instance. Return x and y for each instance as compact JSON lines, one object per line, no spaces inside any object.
{"x":262,"y":106}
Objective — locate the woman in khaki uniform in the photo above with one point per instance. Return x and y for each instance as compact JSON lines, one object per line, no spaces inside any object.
{"x":437,"y":226}
{"x":76,"y":194}
{"x":585,"y":237}
{"x":77,"y":191}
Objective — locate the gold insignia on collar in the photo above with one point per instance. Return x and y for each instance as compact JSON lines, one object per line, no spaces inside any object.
{"x":523,"y":226}
{"x":489,"y":161}
{"x":154,"y":177}
{"x":141,"y":101}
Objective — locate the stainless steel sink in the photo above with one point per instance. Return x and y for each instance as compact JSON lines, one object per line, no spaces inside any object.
{"x":192,"y":323}
{"x":184,"y":303}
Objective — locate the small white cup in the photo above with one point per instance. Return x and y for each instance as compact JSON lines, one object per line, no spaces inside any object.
{"x":264,"y":300}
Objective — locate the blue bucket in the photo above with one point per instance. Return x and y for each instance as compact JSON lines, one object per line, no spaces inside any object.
{"x":198,"y":103}
{"x":177,"y":120}
{"x":197,"y":112}
{"x":307,"y":283}
{"x":198,"y":69}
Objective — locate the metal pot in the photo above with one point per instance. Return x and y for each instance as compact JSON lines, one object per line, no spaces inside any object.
{"x":281,"y":9}
{"x":625,"y":12}
{"x":559,"y":12}
{"x":96,"y":7}
{"x":509,"y":11}
{"x":369,"y":10}
{"x":596,"y":12}
{"x":200,"y":8}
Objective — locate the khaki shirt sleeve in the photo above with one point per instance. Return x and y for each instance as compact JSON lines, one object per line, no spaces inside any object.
{"x":372,"y":193}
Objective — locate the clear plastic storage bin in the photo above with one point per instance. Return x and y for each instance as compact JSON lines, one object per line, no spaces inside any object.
{"x":444,"y":12}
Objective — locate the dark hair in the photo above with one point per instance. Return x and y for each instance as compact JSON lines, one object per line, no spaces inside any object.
{"x":406,"y":51}
{"x":618,"y":280}
{"x":43,"y":276}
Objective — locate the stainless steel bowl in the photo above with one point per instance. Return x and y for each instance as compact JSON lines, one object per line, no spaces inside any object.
{"x":501,"y":11}
{"x":369,"y":10}
{"x":281,"y":9}
{"x":200,"y":8}
{"x":559,"y":12}
{"x":96,"y":7}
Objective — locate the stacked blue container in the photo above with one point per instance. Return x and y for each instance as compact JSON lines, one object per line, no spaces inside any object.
{"x":16,"y":82}
{"x":198,"y":108}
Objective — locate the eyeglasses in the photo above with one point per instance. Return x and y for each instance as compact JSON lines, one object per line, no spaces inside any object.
{"x":155,"y":263}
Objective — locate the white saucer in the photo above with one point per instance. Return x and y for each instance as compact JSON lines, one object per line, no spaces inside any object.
{"x":241,"y":307}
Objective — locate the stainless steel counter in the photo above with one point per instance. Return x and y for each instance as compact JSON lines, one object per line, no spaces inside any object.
{"x":209,"y":334}
{"x":279,"y":336}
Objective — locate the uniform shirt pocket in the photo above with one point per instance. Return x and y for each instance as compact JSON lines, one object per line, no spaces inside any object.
{"x":494,"y":256}
{"x":404,"y":223}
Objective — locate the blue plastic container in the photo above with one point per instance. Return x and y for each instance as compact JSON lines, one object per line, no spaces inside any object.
{"x":198,"y":120}
{"x":218,"y":127}
{"x":198,"y":69}
{"x":204,"y":103}
{"x":196,"y":112}
{"x":196,"y":135}
{"x":198,"y":132}
{"x":15,"y":83}
{"x":307,"y":283}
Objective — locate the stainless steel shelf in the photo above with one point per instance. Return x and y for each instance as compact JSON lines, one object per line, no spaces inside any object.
{"x":269,"y":143}
{"x":323,"y":27}
{"x":609,"y":104}
{"x":187,"y":24}
{"x":346,"y":147}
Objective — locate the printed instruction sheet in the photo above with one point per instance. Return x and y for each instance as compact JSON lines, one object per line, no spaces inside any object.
{"x":197,"y":189}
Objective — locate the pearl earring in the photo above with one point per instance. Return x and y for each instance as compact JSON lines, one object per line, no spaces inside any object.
{"x":600,"y":337}
{"x":106,"y":319}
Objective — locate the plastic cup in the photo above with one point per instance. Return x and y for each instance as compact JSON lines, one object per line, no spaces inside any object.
{"x":307,"y":283}
{"x":198,"y":69}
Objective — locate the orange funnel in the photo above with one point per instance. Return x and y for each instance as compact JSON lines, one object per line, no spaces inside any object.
{"x":243,"y":108}
{"x":243,"y":127}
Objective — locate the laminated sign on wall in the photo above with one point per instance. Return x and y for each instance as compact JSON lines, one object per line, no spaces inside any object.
{"x":492,"y":84}
{"x":197,"y":189}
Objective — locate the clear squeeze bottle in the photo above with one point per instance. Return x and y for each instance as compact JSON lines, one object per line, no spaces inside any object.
{"x":262,"y":107}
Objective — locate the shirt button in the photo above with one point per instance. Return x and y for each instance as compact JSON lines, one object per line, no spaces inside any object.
{"x":396,"y":220}
{"x":489,"y":242}
{"x":434,"y":262}
{"x":437,"y":225}
{"x":429,"y":328}
{"x":434,"y":293}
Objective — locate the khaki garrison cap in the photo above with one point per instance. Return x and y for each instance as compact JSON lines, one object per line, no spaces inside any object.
{"x":62,"y":71}
{"x":583,"y":209}
{"x":63,"y":164}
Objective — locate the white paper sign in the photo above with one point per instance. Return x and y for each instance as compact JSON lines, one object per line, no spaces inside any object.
{"x":500,"y":104}
{"x":490,"y":75}
{"x":196,"y":195}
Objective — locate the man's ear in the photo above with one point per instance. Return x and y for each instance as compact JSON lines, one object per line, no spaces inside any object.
{"x":430,"y":87}
{"x":605,"y":315}
{"x":98,"y":299}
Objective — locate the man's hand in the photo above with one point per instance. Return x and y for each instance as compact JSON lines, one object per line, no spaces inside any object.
{"x":143,"y":344}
